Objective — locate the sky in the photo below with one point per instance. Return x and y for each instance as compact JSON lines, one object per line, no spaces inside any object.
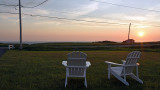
{"x":81,"y":20}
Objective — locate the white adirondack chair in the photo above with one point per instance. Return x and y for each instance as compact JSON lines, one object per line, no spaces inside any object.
{"x":76,"y":66}
{"x":126,"y":68}
{"x":10,"y":46}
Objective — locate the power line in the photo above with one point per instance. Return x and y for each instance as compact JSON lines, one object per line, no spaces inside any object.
{"x":63,"y":18}
{"x":107,"y":18}
{"x":24,"y":6}
{"x":125,"y":6}
{"x":7,"y":5}
{"x":9,"y":12}
{"x":92,"y":21}
{"x":89,"y":15}
{"x":36,"y":5}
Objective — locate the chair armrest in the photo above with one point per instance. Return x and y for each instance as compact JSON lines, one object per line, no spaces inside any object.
{"x":137,"y":64}
{"x":113,"y":63}
{"x":64,"y":63}
{"x":123,"y":61}
{"x":88,"y":63}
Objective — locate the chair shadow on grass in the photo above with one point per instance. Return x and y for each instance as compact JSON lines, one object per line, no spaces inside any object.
{"x":75,"y":83}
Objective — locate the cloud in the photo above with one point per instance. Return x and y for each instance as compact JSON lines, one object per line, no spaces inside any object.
{"x":89,"y":8}
{"x":85,"y":9}
{"x":81,"y":10}
{"x":40,"y":11}
{"x":9,"y":17}
{"x":48,"y":22}
{"x":36,"y":11}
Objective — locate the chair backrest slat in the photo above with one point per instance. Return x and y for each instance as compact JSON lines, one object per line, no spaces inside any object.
{"x":131,"y":59}
{"x":77,"y":59}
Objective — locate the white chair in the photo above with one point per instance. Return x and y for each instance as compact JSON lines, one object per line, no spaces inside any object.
{"x":10,"y":46}
{"x":126,"y":68}
{"x":76,"y":66}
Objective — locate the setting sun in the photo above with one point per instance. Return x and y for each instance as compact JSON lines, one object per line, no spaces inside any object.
{"x":141,"y":34}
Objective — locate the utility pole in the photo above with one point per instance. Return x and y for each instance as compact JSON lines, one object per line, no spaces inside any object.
{"x":20,"y":24}
{"x":129,"y":30}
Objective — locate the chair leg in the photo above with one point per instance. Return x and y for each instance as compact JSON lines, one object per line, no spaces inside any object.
{"x":85,"y":82}
{"x":136,"y":78}
{"x":109,"y":74}
{"x":109,"y":71}
{"x":66,"y":82}
{"x":120,"y":78}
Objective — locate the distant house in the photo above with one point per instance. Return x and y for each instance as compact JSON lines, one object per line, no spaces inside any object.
{"x":129,"y":41}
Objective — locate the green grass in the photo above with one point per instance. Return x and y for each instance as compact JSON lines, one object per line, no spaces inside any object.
{"x":86,"y":46}
{"x":36,"y":70}
{"x":3,"y":45}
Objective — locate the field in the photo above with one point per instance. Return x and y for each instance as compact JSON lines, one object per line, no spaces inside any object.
{"x":36,"y":70}
{"x":88,"y":46}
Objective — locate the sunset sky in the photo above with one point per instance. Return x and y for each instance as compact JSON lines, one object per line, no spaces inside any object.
{"x":90,"y":20}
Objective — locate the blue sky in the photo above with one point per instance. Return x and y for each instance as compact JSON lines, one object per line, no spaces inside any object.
{"x":47,"y":29}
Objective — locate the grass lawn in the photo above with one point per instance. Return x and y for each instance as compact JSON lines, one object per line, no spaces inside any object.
{"x":43,"y":70}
